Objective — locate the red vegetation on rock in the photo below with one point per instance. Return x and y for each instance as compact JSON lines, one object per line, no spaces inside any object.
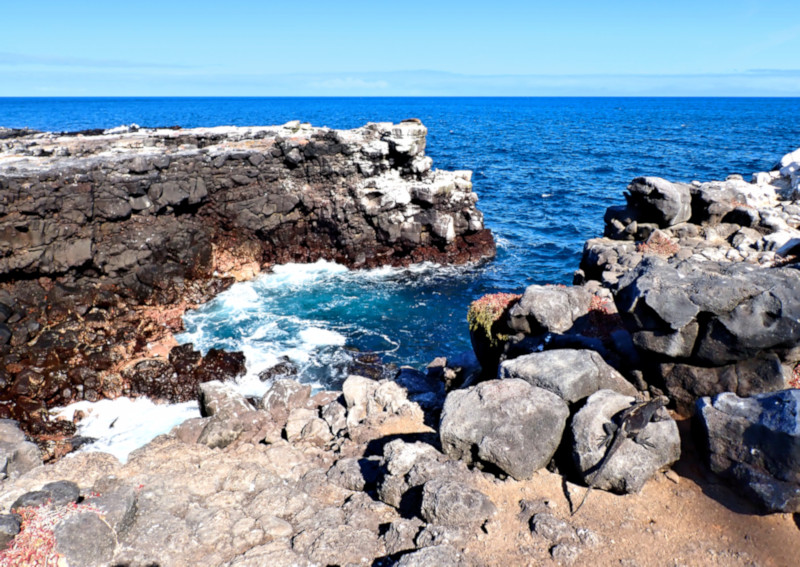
{"x":658,"y":244}
{"x":603,"y":318}
{"x":35,"y":544}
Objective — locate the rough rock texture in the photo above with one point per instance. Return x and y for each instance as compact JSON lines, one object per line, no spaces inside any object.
{"x":364,"y":197}
{"x":506,"y":423}
{"x":549,"y":309}
{"x":106,"y":238}
{"x":571,"y":374}
{"x":755,"y":442}
{"x":636,"y":460}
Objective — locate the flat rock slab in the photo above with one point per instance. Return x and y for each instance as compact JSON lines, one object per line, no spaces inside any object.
{"x":755,"y":442}
{"x":569,"y":373}
{"x":507,"y":423}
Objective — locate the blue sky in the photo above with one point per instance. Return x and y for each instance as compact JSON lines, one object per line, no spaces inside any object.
{"x":426,"y":48}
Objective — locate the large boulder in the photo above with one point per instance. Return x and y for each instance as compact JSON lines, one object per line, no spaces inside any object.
{"x":571,"y":374}
{"x":659,"y":201}
{"x":549,"y":309}
{"x":508,"y":424}
{"x":636,"y":460}
{"x":755,"y":442}
{"x":715,"y":313}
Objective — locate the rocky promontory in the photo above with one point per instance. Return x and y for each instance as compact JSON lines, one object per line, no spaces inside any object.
{"x":107,"y":236}
{"x":667,"y":370}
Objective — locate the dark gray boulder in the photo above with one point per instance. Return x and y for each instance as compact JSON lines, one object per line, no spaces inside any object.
{"x":659,"y":201}
{"x":85,"y":539}
{"x":449,"y":503}
{"x":507,"y":423}
{"x":755,"y":442}
{"x":570,"y":374}
{"x":55,"y":493}
{"x":9,"y":528}
{"x":636,"y":460}
{"x":686,"y":383}
{"x":712,"y":313}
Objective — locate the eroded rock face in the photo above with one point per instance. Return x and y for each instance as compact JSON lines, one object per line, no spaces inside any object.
{"x":755,"y":443}
{"x":106,"y":238}
{"x":363,"y":197}
{"x":507,"y":423}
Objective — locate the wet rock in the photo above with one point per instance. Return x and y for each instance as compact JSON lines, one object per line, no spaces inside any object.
{"x":451,"y":504}
{"x":508,"y":423}
{"x":571,"y":374}
{"x":755,"y":442}
{"x":636,"y":460}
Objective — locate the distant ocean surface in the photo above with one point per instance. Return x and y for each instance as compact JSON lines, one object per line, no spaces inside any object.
{"x":545,"y":170}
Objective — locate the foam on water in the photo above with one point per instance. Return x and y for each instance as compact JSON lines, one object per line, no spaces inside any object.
{"x":123,"y":425}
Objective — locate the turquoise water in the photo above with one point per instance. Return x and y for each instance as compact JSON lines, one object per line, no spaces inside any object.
{"x":545,"y":171}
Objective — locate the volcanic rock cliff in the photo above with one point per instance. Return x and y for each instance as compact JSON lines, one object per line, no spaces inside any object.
{"x":95,"y":226}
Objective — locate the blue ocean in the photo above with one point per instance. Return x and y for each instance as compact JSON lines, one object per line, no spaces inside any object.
{"x":545,"y":170}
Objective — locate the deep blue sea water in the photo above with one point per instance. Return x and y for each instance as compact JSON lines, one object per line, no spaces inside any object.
{"x":545,"y":171}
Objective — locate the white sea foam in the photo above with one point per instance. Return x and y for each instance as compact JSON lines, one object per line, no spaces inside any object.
{"x":298,"y":312}
{"x":321,"y":337}
{"x":123,"y":425}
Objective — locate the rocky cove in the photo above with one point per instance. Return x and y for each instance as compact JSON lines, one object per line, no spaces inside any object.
{"x":691,"y":294}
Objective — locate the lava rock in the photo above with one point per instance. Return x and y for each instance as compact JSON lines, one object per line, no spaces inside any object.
{"x":571,"y":374}
{"x":755,"y":442}
{"x":85,"y":539}
{"x":449,"y":503}
{"x":507,"y":423}
{"x":659,"y":201}
{"x":637,"y":459}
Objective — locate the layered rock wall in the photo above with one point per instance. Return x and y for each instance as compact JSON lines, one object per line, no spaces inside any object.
{"x":125,"y":205}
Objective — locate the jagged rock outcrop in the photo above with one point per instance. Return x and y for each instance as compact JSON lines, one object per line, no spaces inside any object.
{"x":123,"y":204}
{"x":107,"y":237}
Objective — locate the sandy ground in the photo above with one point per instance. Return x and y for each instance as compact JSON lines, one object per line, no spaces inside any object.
{"x":684,"y":517}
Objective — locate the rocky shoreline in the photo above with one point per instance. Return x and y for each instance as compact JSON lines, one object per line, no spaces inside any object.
{"x":107,"y":237}
{"x":692,"y":295}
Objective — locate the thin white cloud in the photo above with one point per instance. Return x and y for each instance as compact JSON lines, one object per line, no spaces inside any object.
{"x":23,"y":59}
{"x":348,"y":83}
